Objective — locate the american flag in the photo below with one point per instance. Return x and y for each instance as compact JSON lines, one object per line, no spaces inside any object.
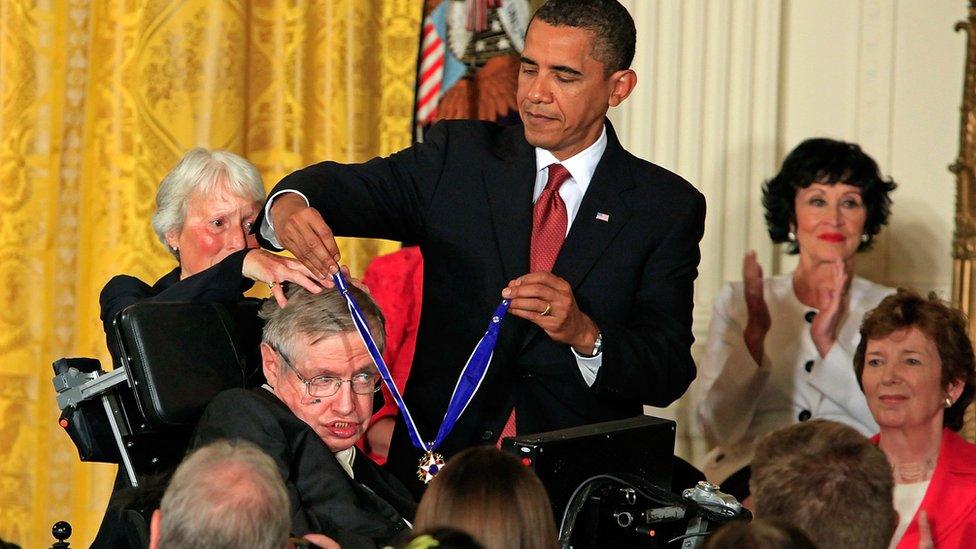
{"x":438,"y":68}
{"x":431,"y":73}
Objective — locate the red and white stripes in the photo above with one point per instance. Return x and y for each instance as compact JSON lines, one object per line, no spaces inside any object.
{"x":431,"y":73}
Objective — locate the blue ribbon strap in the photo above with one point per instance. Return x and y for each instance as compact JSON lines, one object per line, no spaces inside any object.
{"x":468,"y":383}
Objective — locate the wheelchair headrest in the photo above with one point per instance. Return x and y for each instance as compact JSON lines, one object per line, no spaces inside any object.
{"x":179,"y":355}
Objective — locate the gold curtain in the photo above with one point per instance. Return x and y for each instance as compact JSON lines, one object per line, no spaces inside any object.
{"x":98,"y":99}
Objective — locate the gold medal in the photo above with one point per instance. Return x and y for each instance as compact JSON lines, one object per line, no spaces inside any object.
{"x":430,"y":463}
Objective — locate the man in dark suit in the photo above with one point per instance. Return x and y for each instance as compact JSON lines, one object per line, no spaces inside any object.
{"x":597,"y":249}
{"x":316,"y":405}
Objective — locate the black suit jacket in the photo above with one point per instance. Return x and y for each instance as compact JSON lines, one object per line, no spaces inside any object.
{"x":465,"y":195}
{"x":222,"y":282}
{"x":364,"y":512}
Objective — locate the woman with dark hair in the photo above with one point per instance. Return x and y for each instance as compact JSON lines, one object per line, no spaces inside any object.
{"x":779,"y":349}
{"x":916,"y":367}
{"x":492,"y":496}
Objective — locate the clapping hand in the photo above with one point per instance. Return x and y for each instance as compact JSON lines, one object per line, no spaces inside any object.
{"x":759,"y":320}
{"x":832,"y":300}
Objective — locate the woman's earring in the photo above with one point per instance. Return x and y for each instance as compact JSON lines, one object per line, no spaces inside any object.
{"x":948,"y":401}
{"x":865,"y":237}
{"x":791,"y":236}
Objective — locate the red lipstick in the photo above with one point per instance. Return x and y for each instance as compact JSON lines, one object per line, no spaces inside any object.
{"x":832,"y":237}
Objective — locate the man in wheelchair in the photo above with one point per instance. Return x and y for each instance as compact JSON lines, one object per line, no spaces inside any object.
{"x":309,"y":415}
{"x":180,"y":360}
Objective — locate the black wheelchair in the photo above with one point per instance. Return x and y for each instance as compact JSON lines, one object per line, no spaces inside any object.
{"x":170,"y":360}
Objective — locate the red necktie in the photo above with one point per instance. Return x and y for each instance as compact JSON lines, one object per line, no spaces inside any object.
{"x":549,"y":222}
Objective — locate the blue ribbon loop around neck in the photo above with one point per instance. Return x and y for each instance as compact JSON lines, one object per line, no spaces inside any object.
{"x":467,"y":385}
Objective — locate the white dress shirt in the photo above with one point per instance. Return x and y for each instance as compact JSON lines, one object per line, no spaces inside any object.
{"x":580,"y":167}
{"x":907,"y":499}
{"x":741,"y":401}
{"x":345,"y":459}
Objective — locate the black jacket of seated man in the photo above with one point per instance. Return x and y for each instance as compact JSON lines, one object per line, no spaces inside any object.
{"x":367,"y":511}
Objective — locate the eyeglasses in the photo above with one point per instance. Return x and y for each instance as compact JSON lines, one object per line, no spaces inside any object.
{"x":325,"y":386}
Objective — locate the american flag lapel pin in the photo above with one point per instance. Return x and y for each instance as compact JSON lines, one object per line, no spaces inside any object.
{"x":600,"y":216}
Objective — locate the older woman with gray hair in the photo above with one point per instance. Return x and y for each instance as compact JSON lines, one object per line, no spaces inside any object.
{"x":205,"y":208}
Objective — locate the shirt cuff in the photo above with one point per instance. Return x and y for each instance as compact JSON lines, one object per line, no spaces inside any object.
{"x":589,"y":366}
{"x":267,"y":229}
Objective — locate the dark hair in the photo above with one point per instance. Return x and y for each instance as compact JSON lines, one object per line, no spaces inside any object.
{"x":944,"y":325}
{"x":441,"y":538}
{"x":492,"y":496}
{"x":826,"y":161}
{"x":761,"y":533}
{"x":612,"y":26}
{"x":829,"y":480}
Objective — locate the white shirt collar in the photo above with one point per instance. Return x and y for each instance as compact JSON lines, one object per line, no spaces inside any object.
{"x":581,"y":165}
{"x":346,"y":458}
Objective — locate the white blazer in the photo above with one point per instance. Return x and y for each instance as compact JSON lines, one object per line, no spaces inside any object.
{"x":741,"y":401}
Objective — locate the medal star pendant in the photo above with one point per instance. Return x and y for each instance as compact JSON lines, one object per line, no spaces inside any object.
{"x":430,"y":464}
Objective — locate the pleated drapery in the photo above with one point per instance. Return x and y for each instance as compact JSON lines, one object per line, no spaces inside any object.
{"x":98,"y":100}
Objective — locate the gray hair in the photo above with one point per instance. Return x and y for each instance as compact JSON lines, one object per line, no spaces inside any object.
{"x":202,"y":171}
{"x":227,"y":494}
{"x":323,"y":314}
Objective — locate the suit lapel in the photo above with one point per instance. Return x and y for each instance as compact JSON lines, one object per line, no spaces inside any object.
{"x":509,"y":182}
{"x":601,"y":215}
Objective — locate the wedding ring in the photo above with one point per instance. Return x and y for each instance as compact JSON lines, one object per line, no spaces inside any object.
{"x":272,"y":284}
{"x":547,"y":310}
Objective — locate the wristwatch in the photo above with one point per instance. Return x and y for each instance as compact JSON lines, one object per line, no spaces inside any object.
{"x":597,"y":345}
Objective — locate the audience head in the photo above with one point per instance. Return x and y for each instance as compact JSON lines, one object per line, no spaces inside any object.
{"x":575,"y":66}
{"x":205,"y":207}
{"x":493,"y":497}
{"x":828,"y":199}
{"x":759,"y":534}
{"x":915,"y":362}
{"x":227,"y":494}
{"x":318,"y":365}
{"x":441,"y":538}
{"x":827,"y":479}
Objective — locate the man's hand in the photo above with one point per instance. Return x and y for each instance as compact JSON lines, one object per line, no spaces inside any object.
{"x":303,"y":232}
{"x":541,"y":292}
